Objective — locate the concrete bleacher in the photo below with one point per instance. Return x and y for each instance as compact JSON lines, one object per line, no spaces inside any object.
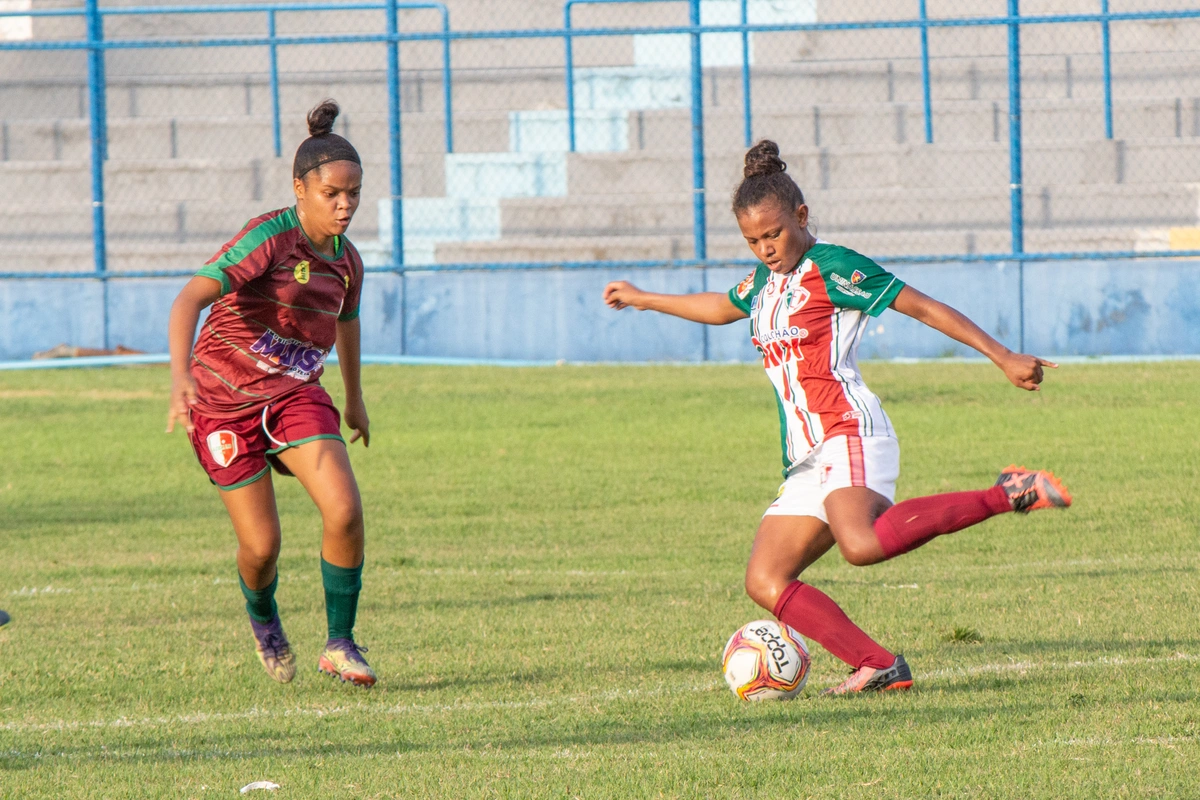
{"x":191,"y":154}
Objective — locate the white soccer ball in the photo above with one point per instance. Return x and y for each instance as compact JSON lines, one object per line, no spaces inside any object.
{"x":765,"y":660}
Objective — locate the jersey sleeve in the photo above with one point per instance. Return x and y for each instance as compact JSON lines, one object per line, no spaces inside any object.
{"x":350,"y":305}
{"x":855,"y":281}
{"x":245,"y":257}
{"x":744,"y":293}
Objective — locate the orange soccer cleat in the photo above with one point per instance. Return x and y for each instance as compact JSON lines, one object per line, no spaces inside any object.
{"x":1029,"y":490}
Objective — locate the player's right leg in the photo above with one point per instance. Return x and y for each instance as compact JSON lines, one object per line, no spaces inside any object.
{"x":256,"y":524}
{"x":783,"y":548}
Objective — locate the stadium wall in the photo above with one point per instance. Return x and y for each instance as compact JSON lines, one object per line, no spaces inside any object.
{"x":1085,"y":308}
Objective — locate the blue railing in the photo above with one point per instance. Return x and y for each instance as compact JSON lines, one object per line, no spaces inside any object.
{"x":96,"y":45}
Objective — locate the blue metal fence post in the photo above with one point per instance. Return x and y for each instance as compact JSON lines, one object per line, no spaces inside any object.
{"x":925,"y":87}
{"x":394,"y":152}
{"x":1106,"y":46}
{"x":699,"y":209}
{"x":570,"y":59}
{"x":278,"y":139}
{"x":1014,"y":150}
{"x":747,"y":111}
{"x":96,"y":114}
{"x":447,"y":88}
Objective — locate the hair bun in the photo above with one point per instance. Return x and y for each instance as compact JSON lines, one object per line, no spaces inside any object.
{"x":763,"y":159}
{"x":320,"y":119}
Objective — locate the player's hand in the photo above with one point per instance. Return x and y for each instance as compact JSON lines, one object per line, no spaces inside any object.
{"x":357,"y":421}
{"x":1025,"y":372}
{"x":183,"y":397}
{"x":621,"y":294}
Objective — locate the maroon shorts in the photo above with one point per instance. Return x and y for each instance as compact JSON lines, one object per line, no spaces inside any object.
{"x":236,"y":452}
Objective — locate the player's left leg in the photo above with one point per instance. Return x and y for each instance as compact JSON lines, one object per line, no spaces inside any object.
{"x":323,"y":467}
{"x":869,"y":529}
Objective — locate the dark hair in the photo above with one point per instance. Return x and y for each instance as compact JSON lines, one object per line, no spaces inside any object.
{"x":323,"y":145}
{"x":766,"y":180}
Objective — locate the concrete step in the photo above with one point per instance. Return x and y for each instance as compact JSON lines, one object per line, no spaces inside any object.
{"x":867,"y":210}
{"x":122,"y":256}
{"x":878,"y":245}
{"x":250,"y":137}
{"x":566,"y":248}
{"x":837,"y":125}
{"x":910,"y":166}
{"x":174,"y":180}
{"x":203,"y":221}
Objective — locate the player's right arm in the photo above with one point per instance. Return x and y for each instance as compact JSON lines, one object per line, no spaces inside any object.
{"x":711,"y":308}
{"x":199,"y":293}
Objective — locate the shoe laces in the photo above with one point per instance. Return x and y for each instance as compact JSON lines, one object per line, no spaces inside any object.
{"x":351,"y":649}
{"x":275,"y":644}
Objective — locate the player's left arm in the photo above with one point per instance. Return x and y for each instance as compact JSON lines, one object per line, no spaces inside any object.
{"x":1024,"y":371}
{"x":349,"y":348}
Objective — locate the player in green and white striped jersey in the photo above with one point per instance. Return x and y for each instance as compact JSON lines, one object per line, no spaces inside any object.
{"x":809,"y":303}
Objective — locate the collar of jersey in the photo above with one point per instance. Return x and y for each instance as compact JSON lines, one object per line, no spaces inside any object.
{"x":337,"y":240}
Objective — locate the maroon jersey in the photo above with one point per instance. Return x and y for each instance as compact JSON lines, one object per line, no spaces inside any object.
{"x":276,"y":321}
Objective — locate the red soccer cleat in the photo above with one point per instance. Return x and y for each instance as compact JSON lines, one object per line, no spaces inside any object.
{"x":1029,"y":490}
{"x":897,"y":677}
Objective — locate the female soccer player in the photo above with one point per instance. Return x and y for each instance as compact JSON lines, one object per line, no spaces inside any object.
{"x":283,"y":292}
{"x":809,"y":302}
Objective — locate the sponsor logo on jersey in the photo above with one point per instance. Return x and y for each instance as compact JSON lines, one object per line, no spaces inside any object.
{"x":857,"y":277}
{"x":780,"y":346}
{"x":301,"y":272}
{"x":223,"y":447}
{"x":295,"y":359}
{"x":771,"y":288}
{"x":743,"y":289}
{"x":846,"y":287}
{"x":849,"y":415}
{"x":346,"y":280}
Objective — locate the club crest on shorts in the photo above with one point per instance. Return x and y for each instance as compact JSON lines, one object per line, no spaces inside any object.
{"x":223,"y":446}
{"x":301,"y":272}
{"x":857,"y":277}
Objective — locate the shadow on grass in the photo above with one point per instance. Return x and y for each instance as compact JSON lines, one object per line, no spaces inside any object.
{"x":614,"y":728}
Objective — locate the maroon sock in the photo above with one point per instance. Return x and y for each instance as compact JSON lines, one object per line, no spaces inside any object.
{"x":813,"y":614}
{"x":910,"y":524}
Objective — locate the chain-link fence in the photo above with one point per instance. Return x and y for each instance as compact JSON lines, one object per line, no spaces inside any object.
{"x":552,"y":131}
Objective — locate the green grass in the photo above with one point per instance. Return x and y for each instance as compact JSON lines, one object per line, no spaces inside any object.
{"x":554,"y":562}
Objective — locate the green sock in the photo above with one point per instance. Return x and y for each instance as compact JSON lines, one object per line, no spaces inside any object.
{"x":342,"y":585}
{"x":260,"y":603}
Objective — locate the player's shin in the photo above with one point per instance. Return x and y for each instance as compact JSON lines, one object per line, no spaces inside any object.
{"x":911,"y":523}
{"x":342,"y":587}
{"x":260,"y":603}
{"x":811,"y":612}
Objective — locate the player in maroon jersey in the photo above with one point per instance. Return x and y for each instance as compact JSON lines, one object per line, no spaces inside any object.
{"x":283,"y":292}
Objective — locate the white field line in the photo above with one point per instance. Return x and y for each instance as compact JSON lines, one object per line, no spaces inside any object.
{"x":502,"y":705}
{"x":51,"y":589}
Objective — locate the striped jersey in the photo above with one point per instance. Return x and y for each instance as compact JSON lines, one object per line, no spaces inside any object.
{"x":807,"y":325}
{"x":276,"y":320}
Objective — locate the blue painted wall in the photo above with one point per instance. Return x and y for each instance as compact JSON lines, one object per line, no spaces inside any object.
{"x":1071,"y":308}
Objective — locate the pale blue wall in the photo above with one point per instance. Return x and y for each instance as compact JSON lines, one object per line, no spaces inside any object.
{"x":1071,"y":308}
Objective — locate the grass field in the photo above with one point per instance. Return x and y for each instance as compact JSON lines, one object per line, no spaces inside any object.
{"x":554,"y":562}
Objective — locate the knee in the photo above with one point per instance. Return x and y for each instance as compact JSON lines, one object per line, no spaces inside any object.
{"x":261,"y":553}
{"x":860,"y":550}
{"x":764,"y":588}
{"x":344,"y":517}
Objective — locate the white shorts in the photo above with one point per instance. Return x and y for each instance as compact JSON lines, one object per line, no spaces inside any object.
{"x":838,"y":463}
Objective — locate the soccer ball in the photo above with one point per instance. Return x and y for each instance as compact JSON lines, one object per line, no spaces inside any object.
{"x":765,"y":660}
